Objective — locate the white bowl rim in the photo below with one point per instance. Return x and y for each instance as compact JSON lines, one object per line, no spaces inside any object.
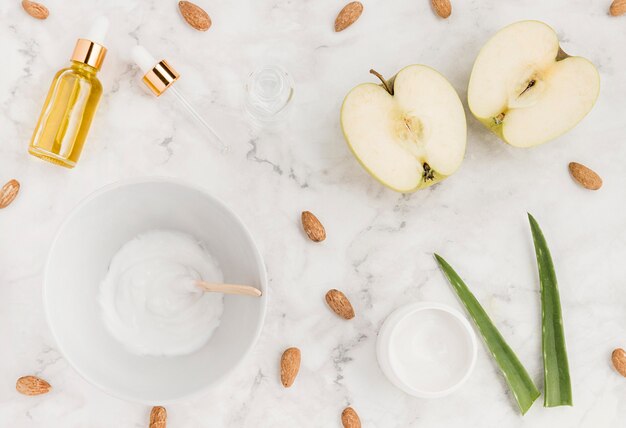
{"x":384,"y":337}
{"x":257,"y":256}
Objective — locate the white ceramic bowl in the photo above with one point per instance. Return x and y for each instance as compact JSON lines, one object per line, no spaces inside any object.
{"x":79,"y":259}
{"x":465,"y":348}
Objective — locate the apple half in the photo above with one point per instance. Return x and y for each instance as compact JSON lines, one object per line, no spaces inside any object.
{"x":526,"y":89}
{"x":408,"y":132}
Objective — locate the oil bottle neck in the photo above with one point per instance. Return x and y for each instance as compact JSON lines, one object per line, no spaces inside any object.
{"x":90,"y":53}
{"x":86,"y":68}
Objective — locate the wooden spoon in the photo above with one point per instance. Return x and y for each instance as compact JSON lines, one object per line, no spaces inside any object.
{"x":244,"y":290}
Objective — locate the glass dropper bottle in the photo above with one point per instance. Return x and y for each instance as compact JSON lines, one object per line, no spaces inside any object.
{"x":72,"y":101}
{"x":159,"y":77}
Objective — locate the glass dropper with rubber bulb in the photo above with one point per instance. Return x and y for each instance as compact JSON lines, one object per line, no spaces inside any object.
{"x":159,"y":77}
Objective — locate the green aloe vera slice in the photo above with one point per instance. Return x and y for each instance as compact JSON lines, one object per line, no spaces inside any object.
{"x":516,"y":376}
{"x":558,"y":387}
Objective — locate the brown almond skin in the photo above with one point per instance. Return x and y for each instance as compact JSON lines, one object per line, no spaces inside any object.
{"x":195,"y":15}
{"x":348,"y":15}
{"x":289,"y":366}
{"x":619,"y":361}
{"x":313,"y":227}
{"x":340,"y":304}
{"x":443,"y":8}
{"x":32,"y":385}
{"x":36,"y":10}
{"x":350,"y":419}
{"x":618,"y":8}
{"x":585,"y":176}
{"x":8,"y":193}
{"x":158,"y":417}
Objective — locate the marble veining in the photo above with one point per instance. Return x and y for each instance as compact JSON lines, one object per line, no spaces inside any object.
{"x":380,"y":243}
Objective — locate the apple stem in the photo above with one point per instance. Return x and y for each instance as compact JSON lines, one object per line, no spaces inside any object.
{"x":382,"y":79}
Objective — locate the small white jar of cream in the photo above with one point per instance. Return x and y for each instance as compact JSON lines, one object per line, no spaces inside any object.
{"x":426,"y":349}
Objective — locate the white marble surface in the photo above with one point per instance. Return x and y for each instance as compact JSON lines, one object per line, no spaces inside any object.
{"x":379,"y":242}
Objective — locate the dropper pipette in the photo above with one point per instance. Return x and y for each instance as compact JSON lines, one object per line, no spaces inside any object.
{"x":159,"y":76}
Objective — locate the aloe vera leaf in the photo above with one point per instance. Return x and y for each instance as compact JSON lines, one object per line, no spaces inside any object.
{"x":558,"y":387}
{"x":516,"y":376}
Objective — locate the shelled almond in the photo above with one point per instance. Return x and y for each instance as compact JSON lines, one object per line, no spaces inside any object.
{"x":158,"y":417}
{"x":618,"y":8}
{"x":313,"y":227}
{"x":350,"y":419}
{"x":585,"y":176}
{"x":36,"y":10}
{"x":618,"y":357}
{"x":443,"y":8}
{"x":8,"y":193}
{"x":195,"y":15}
{"x":348,"y":15}
{"x":339,"y":303}
{"x":289,"y":366}
{"x":32,"y":385}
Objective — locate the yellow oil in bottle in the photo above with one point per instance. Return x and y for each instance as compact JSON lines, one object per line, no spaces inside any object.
{"x":66,"y":115}
{"x":71,"y":103}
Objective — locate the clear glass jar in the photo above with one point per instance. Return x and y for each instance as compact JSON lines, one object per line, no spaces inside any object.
{"x":269,"y":91}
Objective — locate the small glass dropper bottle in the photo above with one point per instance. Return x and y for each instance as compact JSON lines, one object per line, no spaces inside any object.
{"x":71,"y":102}
{"x":159,"y":77}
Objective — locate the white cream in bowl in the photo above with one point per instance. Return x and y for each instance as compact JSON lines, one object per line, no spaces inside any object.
{"x":148,"y":299}
{"x":80,"y":258}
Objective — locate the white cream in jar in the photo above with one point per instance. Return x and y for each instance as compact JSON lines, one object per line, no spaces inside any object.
{"x":426,"y":349}
{"x":148,"y":298}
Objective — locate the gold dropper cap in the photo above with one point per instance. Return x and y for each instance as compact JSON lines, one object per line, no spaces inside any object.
{"x":89,"y":53}
{"x":160,"y":77}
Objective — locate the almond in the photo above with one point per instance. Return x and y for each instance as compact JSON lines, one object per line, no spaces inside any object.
{"x":158,"y":417}
{"x":289,"y":366}
{"x":618,"y":7}
{"x":442,"y":8}
{"x":36,"y":10}
{"x":313,"y":227}
{"x":8,"y":193}
{"x":348,"y":15}
{"x":195,"y":15}
{"x":32,"y":385}
{"x":340,"y":304}
{"x":585,"y":176}
{"x":619,"y":361}
{"x":350,"y":419}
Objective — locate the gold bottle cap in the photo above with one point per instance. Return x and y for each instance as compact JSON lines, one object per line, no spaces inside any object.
{"x":160,"y":77}
{"x":89,"y":53}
